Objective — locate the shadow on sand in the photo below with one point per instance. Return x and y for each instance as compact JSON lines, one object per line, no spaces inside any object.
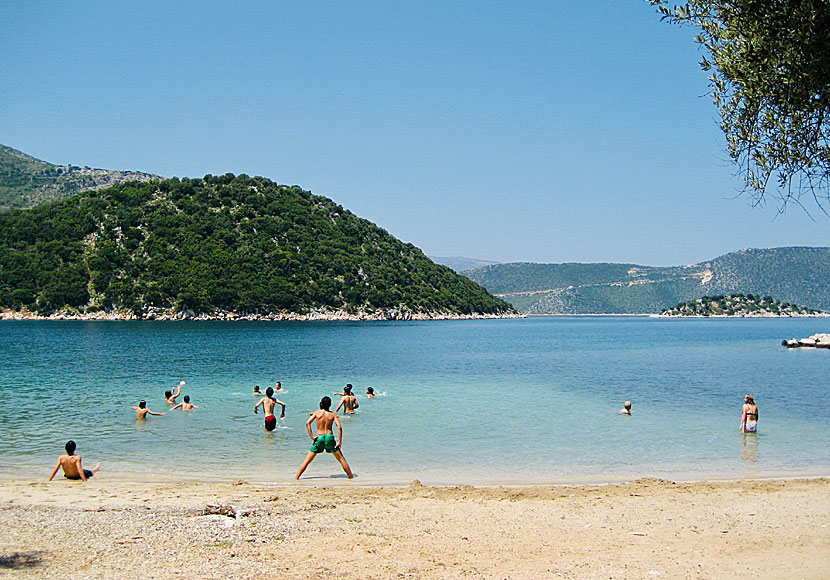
{"x":20,"y":560}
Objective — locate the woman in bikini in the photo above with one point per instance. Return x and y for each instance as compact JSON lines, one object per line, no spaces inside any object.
{"x":749,"y":415}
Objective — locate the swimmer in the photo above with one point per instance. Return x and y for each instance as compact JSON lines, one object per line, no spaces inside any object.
{"x":626,"y":410}
{"x":325,"y":438}
{"x":170,"y":397}
{"x":347,"y":390}
{"x":370,"y":393}
{"x":257,"y":392}
{"x":186,"y":405}
{"x":348,"y":402}
{"x":71,"y":464}
{"x":142,"y":411}
{"x":268,"y":403}
{"x":749,"y":415}
{"x":278,"y":386}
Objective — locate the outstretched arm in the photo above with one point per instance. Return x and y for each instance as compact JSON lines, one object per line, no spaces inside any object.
{"x":149,"y":412}
{"x":54,"y":471}
{"x":176,"y":407}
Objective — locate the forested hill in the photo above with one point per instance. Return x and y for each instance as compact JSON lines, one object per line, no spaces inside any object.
{"x":797,"y":275}
{"x":27,"y":182}
{"x":219,"y":245}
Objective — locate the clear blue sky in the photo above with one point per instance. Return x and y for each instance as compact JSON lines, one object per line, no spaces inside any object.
{"x":552,"y":131}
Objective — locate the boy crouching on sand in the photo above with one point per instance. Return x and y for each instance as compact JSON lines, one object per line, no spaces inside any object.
{"x":71,"y":464}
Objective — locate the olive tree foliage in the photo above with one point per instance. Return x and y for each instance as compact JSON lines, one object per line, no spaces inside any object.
{"x":769,"y":65}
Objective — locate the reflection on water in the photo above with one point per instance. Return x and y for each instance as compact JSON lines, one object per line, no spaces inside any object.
{"x":749,"y":447}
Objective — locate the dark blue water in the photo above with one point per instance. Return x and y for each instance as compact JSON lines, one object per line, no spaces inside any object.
{"x":490,"y":401}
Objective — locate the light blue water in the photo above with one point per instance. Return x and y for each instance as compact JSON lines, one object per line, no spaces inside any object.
{"x":491,"y":401}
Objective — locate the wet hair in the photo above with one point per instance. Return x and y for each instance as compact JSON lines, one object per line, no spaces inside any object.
{"x":348,"y":388}
{"x":269,"y":391}
{"x":370,"y":390}
{"x":168,"y":394}
{"x":256,"y":389}
{"x":325,"y":403}
{"x":142,"y":404}
{"x":627,"y":404}
{"x":187,"y":398}
{"x":70,"y":447}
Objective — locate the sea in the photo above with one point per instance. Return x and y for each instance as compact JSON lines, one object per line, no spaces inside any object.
{"x":481,"y":402}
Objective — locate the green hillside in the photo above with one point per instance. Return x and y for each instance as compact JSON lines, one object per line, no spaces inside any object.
{"x":218,"y":244}
{"x":793,"y":275}
{"x":27,"y":182}
{"x":742,"y":305}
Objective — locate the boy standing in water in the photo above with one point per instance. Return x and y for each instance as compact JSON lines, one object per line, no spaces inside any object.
{"x":170,"y":397}
{"x":325,"y":438}
{"x":142,"y":411}
{"x":348,"y":402}
{"x":186,"y":405}
{"x":71,"y":464}
{"x":268,"y":403}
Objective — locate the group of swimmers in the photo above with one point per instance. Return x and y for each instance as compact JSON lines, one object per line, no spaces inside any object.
{"x":141,"y":411}
{"x":324,"y":440}
{"x":324,"y":418}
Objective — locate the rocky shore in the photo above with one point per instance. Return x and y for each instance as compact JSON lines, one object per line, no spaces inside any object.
{"x":311,"y":316}
{"x":821,"y":340}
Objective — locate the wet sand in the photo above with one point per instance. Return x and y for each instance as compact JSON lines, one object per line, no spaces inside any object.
{"x":643,"y":529}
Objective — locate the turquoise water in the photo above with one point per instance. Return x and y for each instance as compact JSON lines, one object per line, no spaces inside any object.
{"x":493,"y":401}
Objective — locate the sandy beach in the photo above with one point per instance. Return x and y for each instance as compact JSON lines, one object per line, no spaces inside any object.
{"x":642,"y":529}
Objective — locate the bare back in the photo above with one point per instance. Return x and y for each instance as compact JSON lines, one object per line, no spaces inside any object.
{"x":349,"y":403}
{"x":325,"y":419}
{"x":71,"y":465}
{"x":268,"y":405}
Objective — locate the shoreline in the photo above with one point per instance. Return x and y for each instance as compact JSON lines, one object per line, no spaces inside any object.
{"x":645,"y":528}
{"x":313,"y":316}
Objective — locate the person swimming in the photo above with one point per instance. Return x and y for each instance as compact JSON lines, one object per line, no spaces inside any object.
{"x":370,"y":392}
{"x":749,"y":415}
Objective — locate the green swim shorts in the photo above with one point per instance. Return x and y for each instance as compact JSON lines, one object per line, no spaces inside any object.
{"x":326,"y":442}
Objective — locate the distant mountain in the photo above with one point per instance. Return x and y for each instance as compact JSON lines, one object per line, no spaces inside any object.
{"x":27,"y":182}
{"x":795,"y":275}
{"x":459,"y":264}
{"x":223,"y":247}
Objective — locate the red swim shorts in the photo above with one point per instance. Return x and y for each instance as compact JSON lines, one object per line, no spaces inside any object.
{"x":270,"y":422}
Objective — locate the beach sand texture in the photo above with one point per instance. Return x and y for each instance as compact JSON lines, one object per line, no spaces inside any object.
{"x":643,"y":529}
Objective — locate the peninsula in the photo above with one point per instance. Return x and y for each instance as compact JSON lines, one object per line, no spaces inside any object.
{"x":219,"y":247}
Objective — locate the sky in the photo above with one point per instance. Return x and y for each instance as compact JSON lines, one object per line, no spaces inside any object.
{"x":555,"y":131}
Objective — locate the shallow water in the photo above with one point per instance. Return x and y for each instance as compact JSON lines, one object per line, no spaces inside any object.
{"x":492,"y":401}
